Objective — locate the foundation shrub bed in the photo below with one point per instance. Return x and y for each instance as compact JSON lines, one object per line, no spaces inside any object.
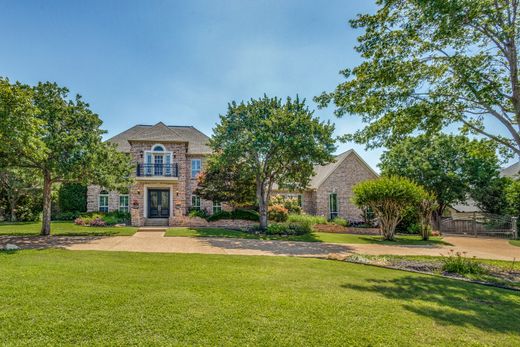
{"x":235,"y":214}
{"x":99,"y":219}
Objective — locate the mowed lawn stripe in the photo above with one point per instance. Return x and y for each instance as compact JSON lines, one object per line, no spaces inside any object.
{"x":66,"y":297}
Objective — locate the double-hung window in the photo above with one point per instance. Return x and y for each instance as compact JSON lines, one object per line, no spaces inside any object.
{"x":123,"y":203}
{"x":217,"y":207}
{"x":103,"y":201}
{"x":195,"y":202}
{"x":195,"y":167}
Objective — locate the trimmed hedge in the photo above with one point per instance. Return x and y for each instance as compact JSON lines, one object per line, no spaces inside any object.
{"x":72,"y":197}
{"x":236,"y":214}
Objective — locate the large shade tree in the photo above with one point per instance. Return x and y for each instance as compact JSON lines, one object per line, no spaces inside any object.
{"x":278,"y":142}
{"x":59,"y":138}
{"x":430,"y":63}
{"x":454,"y":168}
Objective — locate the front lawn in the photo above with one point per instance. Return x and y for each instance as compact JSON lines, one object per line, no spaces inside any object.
{"x":59,"y":297}
{"x":314,"y":237}
{"x":63,"y":229}
{"x":515,"y":242}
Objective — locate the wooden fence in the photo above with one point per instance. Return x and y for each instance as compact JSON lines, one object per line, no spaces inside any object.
{"x":481,"y":226}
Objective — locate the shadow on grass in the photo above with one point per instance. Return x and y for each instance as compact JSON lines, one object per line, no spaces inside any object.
{"x":450,"y":302}
{"x":42,"y":242}
{"x":404,"y":241}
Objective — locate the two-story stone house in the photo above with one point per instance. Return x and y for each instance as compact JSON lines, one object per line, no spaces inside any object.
{"x":168,"y":159}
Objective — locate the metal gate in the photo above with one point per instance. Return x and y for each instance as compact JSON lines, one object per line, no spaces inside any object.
{"x":481,"y":225}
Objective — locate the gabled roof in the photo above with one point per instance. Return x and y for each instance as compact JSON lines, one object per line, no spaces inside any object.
{"x":324,"y":171}
{"x":511,"y":171}
{"x":197,"y":141}
{"x":466,"y":206}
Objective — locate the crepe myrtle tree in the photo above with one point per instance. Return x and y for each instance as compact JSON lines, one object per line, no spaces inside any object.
{"x":59,"y":137}
{"x":389,"y":198}
{"x":277,"y":142}
{"x":430,"y":63}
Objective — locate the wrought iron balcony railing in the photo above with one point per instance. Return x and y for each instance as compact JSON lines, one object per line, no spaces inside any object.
{"x":157,"y":170}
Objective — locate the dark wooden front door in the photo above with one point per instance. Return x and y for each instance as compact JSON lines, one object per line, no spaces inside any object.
{"x":158,"y":203}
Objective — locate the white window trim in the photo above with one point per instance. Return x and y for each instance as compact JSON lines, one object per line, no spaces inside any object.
{"x":102,"y":195}
{"x":337,"y":205}
{"x":153,"y":153}
{"x":200,"y":202}
{"x":191,"y":167}
{"x":127,"y":207}
{"x":217,"y":204}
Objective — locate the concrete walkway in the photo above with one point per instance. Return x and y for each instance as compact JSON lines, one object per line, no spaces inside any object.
{"x":156,"y":242}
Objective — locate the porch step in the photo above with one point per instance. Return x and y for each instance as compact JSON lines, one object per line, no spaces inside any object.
{"x":152,"y":229}
{"x":156,"y":222}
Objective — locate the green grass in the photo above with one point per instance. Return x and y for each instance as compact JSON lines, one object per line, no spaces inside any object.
{"x":515,"y":242}
{"x":314,"y":237}
{"x":62,"y":228}
{"x":375,"y":239}
{"x":59,"y":297}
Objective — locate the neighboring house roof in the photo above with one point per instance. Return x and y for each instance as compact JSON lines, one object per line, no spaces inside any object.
{"x":467,"y":206}
{"x":322,"y":172}
{"x":197,"y":141}
{"x":511,"y":171}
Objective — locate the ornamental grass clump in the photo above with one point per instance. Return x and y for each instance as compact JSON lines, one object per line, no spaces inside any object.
{"x":389,"y":198}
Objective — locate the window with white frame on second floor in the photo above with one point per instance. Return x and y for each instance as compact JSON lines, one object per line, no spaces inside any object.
{"x":217,"y":206}
{"x":196,"y":165}
{"x":195,"y":202}
{"x":103,"y":201}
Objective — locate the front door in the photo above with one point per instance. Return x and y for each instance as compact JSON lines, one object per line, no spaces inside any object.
{"x":158,"y":203}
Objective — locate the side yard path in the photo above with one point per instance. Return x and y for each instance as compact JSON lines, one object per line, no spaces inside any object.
{"x":157,"y":242}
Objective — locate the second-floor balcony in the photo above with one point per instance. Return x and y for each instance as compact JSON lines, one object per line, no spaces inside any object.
{"x":169,"y":171}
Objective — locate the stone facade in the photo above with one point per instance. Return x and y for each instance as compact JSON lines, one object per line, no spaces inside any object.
{"x":341,"y":181}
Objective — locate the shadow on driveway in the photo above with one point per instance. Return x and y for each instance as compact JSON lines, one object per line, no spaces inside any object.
{"x":296,"y":248}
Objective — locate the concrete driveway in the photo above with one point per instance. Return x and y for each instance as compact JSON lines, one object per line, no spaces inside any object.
{"x":156,"y":242}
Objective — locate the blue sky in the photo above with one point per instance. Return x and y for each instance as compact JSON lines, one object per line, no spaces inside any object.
{"x":181,"y":62}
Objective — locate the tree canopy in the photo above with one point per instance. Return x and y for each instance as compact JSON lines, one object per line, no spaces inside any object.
{"x":277,"y":142}
{"x":430,"y":63}
{"x":455,"y":168}
{"x":59,"y":137}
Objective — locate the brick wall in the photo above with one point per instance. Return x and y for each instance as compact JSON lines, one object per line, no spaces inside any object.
{"x":93,"y":192}
{"x":350,"y":172}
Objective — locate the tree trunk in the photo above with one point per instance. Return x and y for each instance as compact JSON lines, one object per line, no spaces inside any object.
{"x":262,"y":204}
{"x":47,"y":189}
{"x":12,"y":207}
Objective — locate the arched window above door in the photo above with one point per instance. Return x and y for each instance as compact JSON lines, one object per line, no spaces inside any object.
{"x":158,"y":148}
